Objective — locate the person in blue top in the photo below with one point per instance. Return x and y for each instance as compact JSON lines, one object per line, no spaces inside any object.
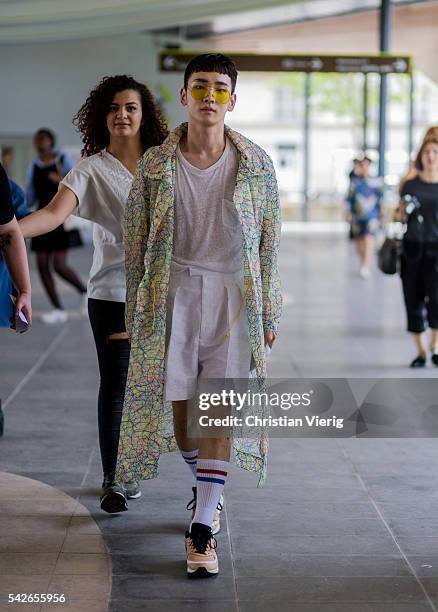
{"x":364,"y":203}
{"x":13,"y":258}
{"x":6,"y":285}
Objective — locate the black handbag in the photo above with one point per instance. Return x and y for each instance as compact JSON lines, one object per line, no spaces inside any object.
{"x":389,"y":255}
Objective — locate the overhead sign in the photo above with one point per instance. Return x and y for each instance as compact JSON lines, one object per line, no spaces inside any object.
{"x":176,"y":61}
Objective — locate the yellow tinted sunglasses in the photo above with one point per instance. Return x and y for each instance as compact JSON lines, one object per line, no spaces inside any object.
{"x":200,"y":92}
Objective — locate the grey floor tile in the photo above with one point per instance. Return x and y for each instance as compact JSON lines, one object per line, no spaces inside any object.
{"x":412,"y":545}
{"x":293,"y":606}
{"x":285,"y":494}
{"x":426,"y":527}
{"x":167,"y":605}
{"x":135,"y":545}
{"x":311,"y":545}
{"x":424,"y":565}
{"x":318,"y":566}
{"x":59,"y":480}
{"x":131,"y":525}
{"x":431,"y":586}
{"x":154,"y":564}
{"x":331,"y":590}
{"x":166,"y":587}
{"x":292,"y":479}
{"x":164,"y":544}
{"x":287,"y":510}
{"x":314,"y":525}
{"x":413,"y":511}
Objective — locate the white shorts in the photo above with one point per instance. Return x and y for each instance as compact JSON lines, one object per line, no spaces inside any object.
{"x":207,"y":331}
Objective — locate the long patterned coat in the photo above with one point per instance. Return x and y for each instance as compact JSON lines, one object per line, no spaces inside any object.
{"x":147,"y":426}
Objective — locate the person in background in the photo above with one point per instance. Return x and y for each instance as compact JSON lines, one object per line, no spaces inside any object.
{"x":118,"y":121}
{"x":12,"y":254}
{"x":364,"y":204}
{"x":6,"y":285}
{"x":13,"y":251}
{"x":43,"y":178}
{"x":7,"y":159}
{"x":356,"y":171}
{"x":431,"y":134}
{"x":419,"y":261}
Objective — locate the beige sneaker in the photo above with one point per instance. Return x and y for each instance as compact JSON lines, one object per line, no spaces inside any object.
{"x":216,"y":525}
{"x":201,"y":552}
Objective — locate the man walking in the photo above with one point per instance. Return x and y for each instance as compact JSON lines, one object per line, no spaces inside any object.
{"x":203,"y":292}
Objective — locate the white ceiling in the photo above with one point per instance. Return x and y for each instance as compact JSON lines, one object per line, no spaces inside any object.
{"x":31,"y":21}
{"x":44,"y":20}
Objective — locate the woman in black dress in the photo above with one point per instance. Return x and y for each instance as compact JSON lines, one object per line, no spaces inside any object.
{"x":419,"y":264}
{"x":44,"y":177}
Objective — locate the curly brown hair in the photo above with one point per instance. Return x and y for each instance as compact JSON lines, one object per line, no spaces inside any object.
{"x":91,"y":117}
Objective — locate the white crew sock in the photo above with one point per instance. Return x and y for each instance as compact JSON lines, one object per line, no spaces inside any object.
{"x":211,"y":475}
{"x":191,"y":458}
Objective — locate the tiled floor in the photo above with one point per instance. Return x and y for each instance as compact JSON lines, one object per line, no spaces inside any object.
{"x":44,"y":549}
{"x":342,"y":525}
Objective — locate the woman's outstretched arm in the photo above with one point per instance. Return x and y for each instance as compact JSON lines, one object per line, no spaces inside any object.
{"x":51,"y":216}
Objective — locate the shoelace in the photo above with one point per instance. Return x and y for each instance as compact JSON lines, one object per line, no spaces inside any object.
{"x":192,"y":504}
{"x":202,"y":541}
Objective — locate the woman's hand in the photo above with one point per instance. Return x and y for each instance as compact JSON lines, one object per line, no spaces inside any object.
{"x":400,"y":212}
{"x":15,"y":256}
{"x":23,"y":303}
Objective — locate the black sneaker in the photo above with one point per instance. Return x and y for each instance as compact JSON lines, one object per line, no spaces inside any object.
{"x":201,"y":552}
{"x":113,"y":498}
{"x":434,"y":358}
{"x":418,"y":362}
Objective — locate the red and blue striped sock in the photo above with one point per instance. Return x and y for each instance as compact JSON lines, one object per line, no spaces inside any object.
{"x":211,"y":475}
{"x":191,"y":458}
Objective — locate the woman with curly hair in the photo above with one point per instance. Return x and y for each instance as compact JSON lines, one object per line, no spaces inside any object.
{"x":119,"y":121}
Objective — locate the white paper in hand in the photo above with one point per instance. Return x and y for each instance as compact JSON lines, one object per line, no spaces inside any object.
{"x":21,"y":324}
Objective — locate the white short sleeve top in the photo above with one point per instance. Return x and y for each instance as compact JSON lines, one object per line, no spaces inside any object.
{"x":207,"y":231}
{"x":102,"y":184}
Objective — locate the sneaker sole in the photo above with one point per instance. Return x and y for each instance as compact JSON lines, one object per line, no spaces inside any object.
{"x":202,"y":572}
{"x":114,"y":503}
{"x":136,"y":496}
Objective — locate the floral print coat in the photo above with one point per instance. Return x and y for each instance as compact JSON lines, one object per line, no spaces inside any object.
{"x":147,"y":425}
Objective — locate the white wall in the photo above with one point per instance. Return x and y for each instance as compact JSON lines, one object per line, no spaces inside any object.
{"x":45,"y":84}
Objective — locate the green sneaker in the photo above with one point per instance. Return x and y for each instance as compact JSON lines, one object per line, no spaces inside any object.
{"x":132,"y":488}
{"x":113,"y":498}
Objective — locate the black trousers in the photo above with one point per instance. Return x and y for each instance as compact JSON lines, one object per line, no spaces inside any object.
{"x":419,"y":274}
{"x":108,"y":318}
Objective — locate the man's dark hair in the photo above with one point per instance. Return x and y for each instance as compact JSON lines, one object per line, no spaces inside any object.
{"x":212,"y":62}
